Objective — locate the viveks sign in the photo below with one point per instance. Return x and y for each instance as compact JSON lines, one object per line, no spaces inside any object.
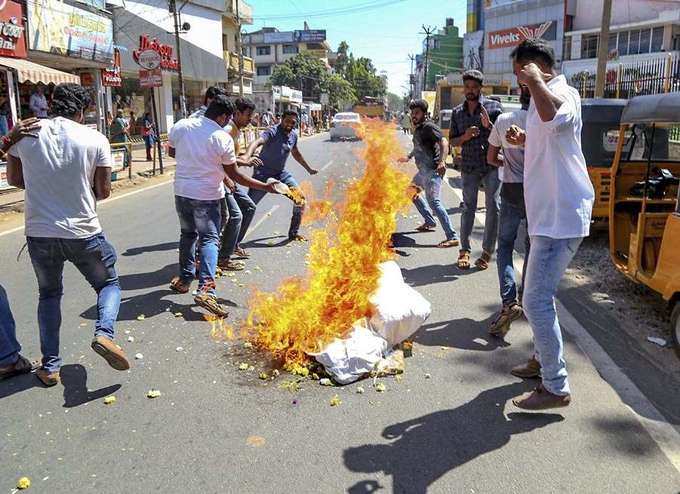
{"x":506,"y":38}
{"x":168,"y":62}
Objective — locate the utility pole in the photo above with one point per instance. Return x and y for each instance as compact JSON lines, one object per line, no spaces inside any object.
{"x":428,"y":31}
{"x":411,"y":79}
{"x":182,"y":93}
{"x":603,"y":49}
{"x":239,"y":47}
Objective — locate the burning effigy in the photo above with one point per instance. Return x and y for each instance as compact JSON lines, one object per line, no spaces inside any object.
{"x":341,"y":296}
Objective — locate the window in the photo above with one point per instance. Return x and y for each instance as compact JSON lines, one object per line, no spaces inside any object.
{"x":611,"y":47}
{"x":290,"y":49}
{"x":264,"y":70}
{"x":264,"y":50}
{"x":589,"y":46}
{"x":623,"y":43}
{"x":566,"y":52}
{"x":645,"y":37}
{"x":634,"y":43}
{"x":657,"y":39}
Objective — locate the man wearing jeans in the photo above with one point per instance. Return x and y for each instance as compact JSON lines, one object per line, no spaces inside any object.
{"x":513,"y":211}
{"x":559,"y":201}
{"x":64,"y":171}
{"x":471,"y":124}
{"x":429,"y":151}
{"x":205,"y":156}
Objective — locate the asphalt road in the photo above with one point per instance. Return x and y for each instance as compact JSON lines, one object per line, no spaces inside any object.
{"x":218,"y":429}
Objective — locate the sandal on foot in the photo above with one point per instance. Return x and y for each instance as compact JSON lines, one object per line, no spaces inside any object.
{"x":464,"y":260}
{"x":297,"y":238}
{"x":445,"y":244}
{"x":48,"y":378}
{"x":179,"y":286}
{"x":21,"y":366}
{"x":229,"y":265}
{"x":209,"y":303}
{"x":112,"y":353}
{"x":483,"y":261}
{"x":241,"y":252}
{"x":426,"y":228}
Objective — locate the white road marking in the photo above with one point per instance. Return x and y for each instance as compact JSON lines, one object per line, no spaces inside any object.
{"x":260,"y":221}
{"x":664,"y":434}
{"x":326,"y":165}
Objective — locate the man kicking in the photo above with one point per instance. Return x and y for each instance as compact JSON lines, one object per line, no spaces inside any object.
{"x":278,"y":142}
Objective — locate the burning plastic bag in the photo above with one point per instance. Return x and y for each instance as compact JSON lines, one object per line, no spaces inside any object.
{"x":355,"y":356}
{"x":399,"y":309}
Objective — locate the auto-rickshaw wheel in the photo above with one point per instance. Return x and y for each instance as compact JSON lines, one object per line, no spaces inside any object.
{"x":675,"y":327}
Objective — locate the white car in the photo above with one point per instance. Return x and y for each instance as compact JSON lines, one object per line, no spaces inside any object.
{"x":343,"y":126}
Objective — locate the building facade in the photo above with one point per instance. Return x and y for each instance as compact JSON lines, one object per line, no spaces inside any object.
{"x":236,"y":15}
{"x":445,"y":54}
{"x":270,"y":47}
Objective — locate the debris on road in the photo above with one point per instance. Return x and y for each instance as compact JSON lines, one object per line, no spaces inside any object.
{"x":139,"y":356}
{"x":291,"y":385}
{"x":178,"y":314}
{"x":255,"y":441}
{"x":243,"y":366}
{"x":380,"y":387}
{"x":264,"y":376}
{"x":179,"y":349}
{"x":23,"y":483}
{"x":109,"y":400}
{"x":131,"y":339}
{"x":657,"y":341}
{"x":141,"y":317}
{"x":428,"y":376}
{"x":335,"y":401}
{"x":153,"y":393}
{"x":360,"y":390}
{"x":247,"y":344}
{"x":325,"y":382}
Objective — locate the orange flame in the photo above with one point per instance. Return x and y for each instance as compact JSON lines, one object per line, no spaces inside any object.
{"x":306,"y":313}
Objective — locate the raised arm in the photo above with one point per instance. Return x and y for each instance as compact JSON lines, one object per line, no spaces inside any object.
{"x":546,"y":102}
{"x":301,"y":159}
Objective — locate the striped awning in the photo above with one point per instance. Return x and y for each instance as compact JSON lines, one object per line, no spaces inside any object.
{"x":33,"y":72}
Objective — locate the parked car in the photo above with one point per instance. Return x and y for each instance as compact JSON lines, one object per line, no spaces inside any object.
{"x":343,"y":126}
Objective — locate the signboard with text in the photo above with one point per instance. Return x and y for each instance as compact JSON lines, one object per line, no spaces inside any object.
{"x":4,"y":185}
{"x":507,"y":38}
{"x":111,"y":76}
{"x":12,"y":37}
{"x":150,"y":78}
{"x":276,"y":38}
{"x":310,"y":36}
{"x":166,"y":53}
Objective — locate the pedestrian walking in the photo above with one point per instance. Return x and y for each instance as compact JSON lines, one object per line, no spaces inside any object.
{"x":65,"y":171}
{"x":119,"y":133}
{"x":512,"y":213}
{"x":240,"y":206}
{"x":277,"y":144}
{"x":429,"y":151}
{"x":205,"y":155}
{"x":559,"y":200}
{"x":406,"y":123}
{"x":148,"y":134}
{"x":471,"y":124}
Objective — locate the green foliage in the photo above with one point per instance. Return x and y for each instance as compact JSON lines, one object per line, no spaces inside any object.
{"x":340,"y":92}
{"x":395,"y":102}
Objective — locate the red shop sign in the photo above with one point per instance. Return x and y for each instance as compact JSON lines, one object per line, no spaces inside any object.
{"x":150,"y":78}
{"x":168,"y":62}
{"x":12,"y":35}
{"x":111,"y":77}
{"x":514,"y":36}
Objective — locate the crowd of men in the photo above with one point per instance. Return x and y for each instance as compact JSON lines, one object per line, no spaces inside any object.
{"x":544,"y":182}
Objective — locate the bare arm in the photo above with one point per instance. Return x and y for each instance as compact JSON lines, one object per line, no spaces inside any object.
{"x":15,"y":172}
{"x":235,"y":174}
{"x":102,"y":182}
{"x":492,"y":156}
{"x":257,"y":143}
{"x":546,"y":102}
{"x":301,"y":159}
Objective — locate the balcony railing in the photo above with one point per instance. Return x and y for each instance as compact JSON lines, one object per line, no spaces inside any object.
{"x":245,"y":11}
{"x":231,"y":60}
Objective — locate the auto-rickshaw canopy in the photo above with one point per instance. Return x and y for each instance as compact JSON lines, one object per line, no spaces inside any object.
{"x":653,"y":108}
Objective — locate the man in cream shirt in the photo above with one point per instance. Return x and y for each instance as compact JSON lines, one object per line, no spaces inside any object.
{"x":559,"y":201}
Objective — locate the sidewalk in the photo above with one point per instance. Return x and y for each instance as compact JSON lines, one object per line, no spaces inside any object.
{"x":13,"y":200}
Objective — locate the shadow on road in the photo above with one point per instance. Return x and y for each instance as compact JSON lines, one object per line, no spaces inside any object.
{"x":74,"y":380}
{"x":18,"y":384}
{"x":263,"y":243}
{"x":135,"y":251}
{"x":142,"y":281}
{"x":426,"y":448}
{"x":464,"y":334}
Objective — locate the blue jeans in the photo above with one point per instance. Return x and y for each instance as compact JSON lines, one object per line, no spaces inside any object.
{"x":431,"y":183}
{"x":283,"y":176}
{"x":95,"y":258}
{"x":9,"y":346}
{"x":241,"y":209}
{"x":511,"y":218}
{"x":548,"y":260}
{"x":199,"y":221}
{"x":492,"y":189}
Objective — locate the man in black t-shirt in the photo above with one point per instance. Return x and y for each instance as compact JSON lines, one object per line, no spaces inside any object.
{"x":429,"y":151}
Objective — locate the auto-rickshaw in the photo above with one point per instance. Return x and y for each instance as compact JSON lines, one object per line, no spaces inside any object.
{"x":599,"y":137}
{"x":644,"y":212}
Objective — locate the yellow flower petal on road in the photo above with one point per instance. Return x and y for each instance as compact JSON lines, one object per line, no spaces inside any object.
{"x":153,"y":393}
{"x":335,"y":401}
{"x":109,"y":400}
{"x":255,"y":441}
{"x":23,"y":483}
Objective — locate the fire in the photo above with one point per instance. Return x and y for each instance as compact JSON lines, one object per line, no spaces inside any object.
{"x":305,"y":313}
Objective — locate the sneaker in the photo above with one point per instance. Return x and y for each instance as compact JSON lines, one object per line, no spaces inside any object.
{"x":541,"y":399}
{"x":112,"y":353}
{"x":209,"y":302}
{"x":48,"y":378}
{"x":531,"y":369}
{"x":508,"y":314}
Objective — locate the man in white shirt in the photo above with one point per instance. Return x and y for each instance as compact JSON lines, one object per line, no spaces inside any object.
{"x":38,"y":103}
{"x":205,"y":157}
{"x":65,"y":171}
{"x":512,"y":211}
{"x":559,"y":200}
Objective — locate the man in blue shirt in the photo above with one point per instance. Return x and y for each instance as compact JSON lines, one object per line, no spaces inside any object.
{"x":278,"y":142}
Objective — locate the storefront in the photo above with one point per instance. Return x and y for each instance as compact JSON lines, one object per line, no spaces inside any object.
{"x":12,"y":47}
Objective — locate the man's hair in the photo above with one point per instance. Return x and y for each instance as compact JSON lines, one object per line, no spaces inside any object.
{"x":289,"y":113}
{"x":211,"y":93}
{"x":220,"y":105}
{"x":473,"y":75}
{"x":534,"y":50}
{"x":243,"y":105}
{"x":69,"y":99}
{"x":421,"y":104}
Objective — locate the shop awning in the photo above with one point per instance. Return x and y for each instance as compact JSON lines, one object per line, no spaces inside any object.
{"x":33,"y":72}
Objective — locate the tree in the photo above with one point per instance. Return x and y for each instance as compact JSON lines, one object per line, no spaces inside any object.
{"x":340,"y":92}
{"x":395,"y":102}
{"x":342,"y":58}
{"x":304,"y":71}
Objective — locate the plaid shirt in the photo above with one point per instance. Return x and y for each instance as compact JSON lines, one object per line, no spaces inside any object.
{"x":474,"y":150}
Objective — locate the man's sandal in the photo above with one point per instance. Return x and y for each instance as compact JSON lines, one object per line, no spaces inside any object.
{"x":448,"y":243}
{"x":231,"y":265}
{"x":426,"y":228}
{"x":464,"y":260}
{"x":209,"y":302}
{"x":241,"y":252}
{"x":21,"y":366}
{"x":179,"y":286}
{"x":483,"y":261}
